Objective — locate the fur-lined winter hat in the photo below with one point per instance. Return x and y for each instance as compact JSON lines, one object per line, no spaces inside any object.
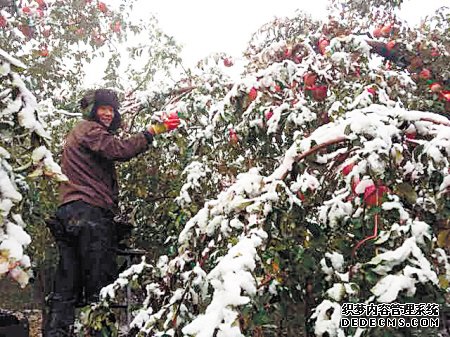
{"x":95,"y":98}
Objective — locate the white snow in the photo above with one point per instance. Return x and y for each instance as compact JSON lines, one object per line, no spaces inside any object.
{"x":328,"y":316}
{"x":230,"y":278}
{"x":387,"y":289}
{"x":11,"y":59}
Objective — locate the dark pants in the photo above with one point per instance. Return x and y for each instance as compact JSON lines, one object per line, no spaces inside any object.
{"x":86,"y":240}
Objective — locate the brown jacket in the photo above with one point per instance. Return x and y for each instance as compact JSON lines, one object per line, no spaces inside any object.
{"x":88,"y":161}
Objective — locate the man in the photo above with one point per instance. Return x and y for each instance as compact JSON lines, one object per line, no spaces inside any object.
{"x":83,"y":227}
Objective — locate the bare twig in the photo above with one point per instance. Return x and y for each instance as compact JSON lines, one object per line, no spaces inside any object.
{"x":265,"y":282}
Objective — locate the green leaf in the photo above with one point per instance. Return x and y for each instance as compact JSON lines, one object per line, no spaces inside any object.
{"x":314,"y":229}
{"x":261,"y":318}
{"x":371,"y":277}
{"x":357,"y":223}
{"x":308,"y":261}
{"x":418,"y":151}
{"x":348,"y":130}
{"x":374,"y":210}
{"x":387,"y":334}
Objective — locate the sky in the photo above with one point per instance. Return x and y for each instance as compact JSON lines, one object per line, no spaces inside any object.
{"x":206,"y":26}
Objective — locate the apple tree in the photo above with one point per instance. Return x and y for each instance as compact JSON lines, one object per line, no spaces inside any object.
{"x":318,"y":178}
{"x":45,"y":48}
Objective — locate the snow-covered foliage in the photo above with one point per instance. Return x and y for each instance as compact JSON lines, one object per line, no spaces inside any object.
{"x":20,"y":115}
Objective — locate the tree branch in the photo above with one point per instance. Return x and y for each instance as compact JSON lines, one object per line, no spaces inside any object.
{"x":320,"y":146}
{"x":426,"y":119}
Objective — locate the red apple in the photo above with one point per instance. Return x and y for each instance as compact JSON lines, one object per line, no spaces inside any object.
{"x":435,"y":52}
{"x":43,"y":52}
{"x":26,"y":30}
{"x":377,"y":32}
{"x":435,"y":87}
{"x":425,"y":74}
{"x":40,"y":3}
{"x":390,"y":45}
{"x":411,"y":135}
{"x":227,"y":62}
{"x":79,"y":31}
{"x":373,"y":195}
{"x":102,"y":7}
{"x":46,"y":32}
{"x":98,"y":39}
{"x":309,"y":79}
{"x":445,"y":94}
{"x":268,"y":114}
{"x":323,"y":44}
{"x":347,"y":169}
{"x":386,"y":30}
{"x":252,"y":94}
{"x":287,"y":52}
{"x":320,"y":93}
{"x":26,"y":10}
{"x":416,"y":62}
{"x":233,"y":137}
{"x":2,"y":22}
{"x":372,"y":91}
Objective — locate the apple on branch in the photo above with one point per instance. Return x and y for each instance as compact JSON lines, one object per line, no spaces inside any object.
{"x":347,"y":169}
{"x":233,"y":137}
{"x":102,"y":7}
{"x":386,"y":30}
{"x":435,"y":87}
{"x":320,"y":93}
{"x":323,"y":44}
{"x":268,"y":114}
{"x":43,"y":52}
{"x":377,"y":32}
{"x":252,"y":94}
{"x":26,"y":10}
{"x":227,"y":62}
{"x":309,"y":79}
{"x":425,"y":74}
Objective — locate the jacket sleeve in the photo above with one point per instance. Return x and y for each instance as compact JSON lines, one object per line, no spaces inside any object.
{"x":100,"y":141}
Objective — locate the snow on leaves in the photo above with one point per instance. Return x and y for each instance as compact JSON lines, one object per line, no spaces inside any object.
{"x":18,"y":104}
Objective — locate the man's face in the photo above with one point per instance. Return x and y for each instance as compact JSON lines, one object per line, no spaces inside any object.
{"x":105,"y":114}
